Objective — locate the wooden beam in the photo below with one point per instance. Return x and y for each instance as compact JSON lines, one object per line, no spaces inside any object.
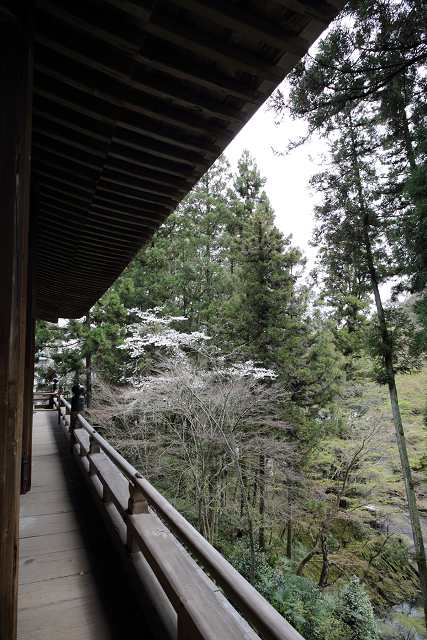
{"x":49,"y":195}
{"x":112,"y":178}
{"x":141,"y":158}
{"x":138,"y":102}
{"x":180,"y":33}
{"x":161,"y":149}
{"x":95,"y":54}
{"x":127,"y":215}
{"x":100,"y":85}
{"x":127,"y":37}
{"x":318,"y":9}
{"x":57,"y":92}
{"x":97,"y":22}
{"x":77,"y":88}
{"x":56,"y":186}
{"x":52,"y":93}
{"x":71,"y":167}
{"x":107,"y":59}
{"x":30,"y":335}
{"x":134,"y":194}
{"x":203,"y":76}
{"x":112,"y":230}
{"x":15,"y":142}
{"x":133,"y":168}
{"x":57,"y":148}
{"x":130,"y":220}
{"x":126,"y":174}
{"x":71,"y":120}
{"x":183,"y":96}
{"x":246,"y":23}
{"x":40,"y":170}
{"x":142,"y":8}
{"x":158,"y":131}
{"x":62,"y":133}
{"x":128,"y":199}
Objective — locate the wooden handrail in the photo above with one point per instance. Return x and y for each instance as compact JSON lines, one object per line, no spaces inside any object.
{"x":268,"y":622}
{"x":46,"y":396}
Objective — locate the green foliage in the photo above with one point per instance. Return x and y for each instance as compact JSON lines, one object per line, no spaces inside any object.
{"x":355,"y":611}
{"x":185,"y":267}
{"x":348,"y":615}
{"x":295,"y":598}
{"x":402,"y":344}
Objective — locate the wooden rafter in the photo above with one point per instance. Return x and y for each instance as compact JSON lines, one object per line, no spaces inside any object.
{"x":133,"y":101}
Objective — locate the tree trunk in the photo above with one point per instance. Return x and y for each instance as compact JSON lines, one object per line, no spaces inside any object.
{"x":212,"y":508}
{"x":88,"y":372}
{"x":325,"y":566}
{"x":244,"y":481}
{"x":309,"y":556}
{"x":244,"y":500}
{"x":289,"y":539}
{"x":420,"y":554}
{"x":261,"y":537}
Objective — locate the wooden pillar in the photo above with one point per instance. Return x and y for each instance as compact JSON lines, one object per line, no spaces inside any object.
{"x":15,"y":139}
{"x":30,"y":335}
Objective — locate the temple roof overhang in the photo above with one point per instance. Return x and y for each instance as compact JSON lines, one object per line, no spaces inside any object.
{"x":133,"y":101}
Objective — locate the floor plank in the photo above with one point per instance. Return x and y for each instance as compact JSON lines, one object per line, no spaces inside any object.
{"x":71,"y":586}
{"x":39,"y":545}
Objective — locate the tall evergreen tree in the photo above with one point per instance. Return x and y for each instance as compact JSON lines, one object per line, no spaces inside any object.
{"x":262,"y":313}
{"x":184,"y":267}
{"x":350,"y":215}
{"x":269,"y":318}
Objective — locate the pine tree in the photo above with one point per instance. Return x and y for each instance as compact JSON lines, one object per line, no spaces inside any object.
{"x":184,"y":268}
{"x":262,"y":314}
{"x":351,"y":215}
{"x":354,"y":609}
{"x":373,"y":55}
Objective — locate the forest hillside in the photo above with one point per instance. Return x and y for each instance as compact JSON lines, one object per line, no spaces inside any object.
{"x":283,"y":412}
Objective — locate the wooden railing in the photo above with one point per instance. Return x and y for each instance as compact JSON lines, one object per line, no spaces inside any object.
{"x":182,"y":601}
{"x":41,"y":397}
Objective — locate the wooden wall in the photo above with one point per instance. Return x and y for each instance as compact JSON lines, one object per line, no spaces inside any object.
{"x":15,"y":138}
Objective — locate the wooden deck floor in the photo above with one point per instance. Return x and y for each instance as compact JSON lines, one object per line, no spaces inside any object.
{"x":71,"y":586}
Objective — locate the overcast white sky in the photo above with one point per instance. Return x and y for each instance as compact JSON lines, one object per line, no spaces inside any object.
{"x":287,"y":177}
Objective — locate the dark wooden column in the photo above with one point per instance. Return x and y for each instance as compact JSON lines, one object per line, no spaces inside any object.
{"x":30,"y":334}
{"x":15,"y":137}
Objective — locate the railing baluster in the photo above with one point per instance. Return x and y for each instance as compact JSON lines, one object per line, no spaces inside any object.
{"x":73,"y":418}
{"x":77,"y":406}
{"x":183,"y":586}
{"x":59,"y":405}
{"x":93,"y":448}
{"x":137,"y":504}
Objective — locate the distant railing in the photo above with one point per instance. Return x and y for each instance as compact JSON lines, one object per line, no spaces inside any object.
{"x":40,"y":398}
{"x":184,"y":601}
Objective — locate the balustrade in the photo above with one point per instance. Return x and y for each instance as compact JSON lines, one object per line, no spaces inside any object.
{"x":185,"y":601}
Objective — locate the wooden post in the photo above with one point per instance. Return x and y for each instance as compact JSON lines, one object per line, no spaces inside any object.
{"x":73,"y":419}
{"x":137,"y":503}
{"x":106,"y":497}
{"x":16,"y":65}
{"x":77,"y":406}
{"x":59,"y":405}
{"x":93,"y":448}
{"x":88,"y":370}
{"x":30,"y":336}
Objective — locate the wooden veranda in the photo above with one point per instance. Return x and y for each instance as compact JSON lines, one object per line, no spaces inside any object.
{"x":71,"y":585}
{"x":110,"y":111}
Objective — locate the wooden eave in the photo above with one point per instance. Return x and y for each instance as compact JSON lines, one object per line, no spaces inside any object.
{"x":133,"y":101}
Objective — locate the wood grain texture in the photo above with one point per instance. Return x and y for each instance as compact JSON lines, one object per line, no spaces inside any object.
{"x":133,"y":101}
{"x":15,"y":141}
{"x":70,"y":583}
